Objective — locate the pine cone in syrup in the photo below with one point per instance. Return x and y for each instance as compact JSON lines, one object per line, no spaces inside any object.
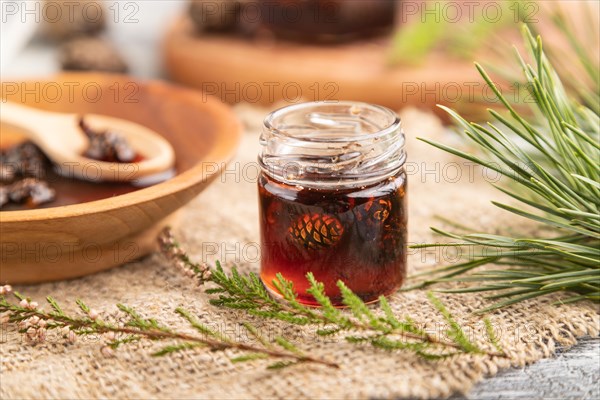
{"x":316,"y":231}
{"x":374,"y":210}
{"x":370,"y":218}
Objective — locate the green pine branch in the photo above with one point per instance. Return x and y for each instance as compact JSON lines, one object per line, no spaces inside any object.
{"x":461,"y":39}
{"x":551,"y":167}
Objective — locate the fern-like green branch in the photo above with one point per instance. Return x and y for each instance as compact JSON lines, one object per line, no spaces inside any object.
{"x":358,"y":324}
{"x":34,"y":322}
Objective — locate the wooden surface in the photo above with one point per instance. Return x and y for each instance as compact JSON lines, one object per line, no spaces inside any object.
{"x":75,"y":240}
{"x":571,"y":375}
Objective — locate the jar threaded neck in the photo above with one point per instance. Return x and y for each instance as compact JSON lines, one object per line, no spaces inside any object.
{"x":323,"y":144}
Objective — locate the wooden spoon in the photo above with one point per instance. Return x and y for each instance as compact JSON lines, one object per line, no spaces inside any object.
{"x":62,"y":140}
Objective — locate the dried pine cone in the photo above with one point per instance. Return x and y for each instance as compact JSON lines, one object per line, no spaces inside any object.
{"x":314,"y":231}
{"x":328,"y":21}
{"x":91,"y":54}
{"x":215,"y":16}
{"x":66,"y":19}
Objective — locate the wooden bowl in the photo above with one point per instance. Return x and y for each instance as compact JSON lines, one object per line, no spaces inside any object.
{"x":78,"y":239}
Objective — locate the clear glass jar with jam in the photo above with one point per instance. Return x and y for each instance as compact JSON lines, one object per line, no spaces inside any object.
{"x":332,"y":195}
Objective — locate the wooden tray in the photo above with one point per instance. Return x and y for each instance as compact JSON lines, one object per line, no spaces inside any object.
{"x":260,"y":71}
{"x":268,"y":71}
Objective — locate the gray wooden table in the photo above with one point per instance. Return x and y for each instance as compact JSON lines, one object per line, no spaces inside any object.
{"x":574,"y":374}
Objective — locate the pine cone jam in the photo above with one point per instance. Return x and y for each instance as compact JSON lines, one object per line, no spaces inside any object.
{"x":333,"y":199}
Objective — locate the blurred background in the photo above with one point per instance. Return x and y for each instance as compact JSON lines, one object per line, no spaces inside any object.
{"x":394,"y":53}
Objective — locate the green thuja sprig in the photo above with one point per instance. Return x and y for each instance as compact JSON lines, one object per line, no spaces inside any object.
{"x":35,"y":322}
{"x":359,"y":323}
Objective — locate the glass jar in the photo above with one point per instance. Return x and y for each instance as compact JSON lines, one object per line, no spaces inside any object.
{"x":332,"y":195}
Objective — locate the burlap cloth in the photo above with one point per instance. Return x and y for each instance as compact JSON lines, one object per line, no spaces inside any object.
{"x":224,"y":217}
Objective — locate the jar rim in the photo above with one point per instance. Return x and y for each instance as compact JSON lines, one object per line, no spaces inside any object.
{"x":342,"y":143}
{"x":392,"y":126}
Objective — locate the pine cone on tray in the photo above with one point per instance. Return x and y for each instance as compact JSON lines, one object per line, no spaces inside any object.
{"x":215,"y":16}
{"x":91,"y":54}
